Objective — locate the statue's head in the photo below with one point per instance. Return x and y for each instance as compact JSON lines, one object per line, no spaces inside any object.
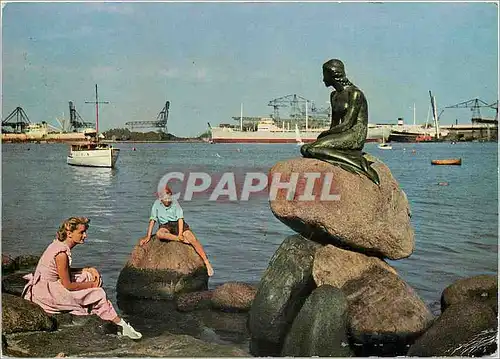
{"x":333,"y":72}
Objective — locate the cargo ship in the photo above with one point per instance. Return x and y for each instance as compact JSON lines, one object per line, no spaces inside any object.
{"x":265,"y":130}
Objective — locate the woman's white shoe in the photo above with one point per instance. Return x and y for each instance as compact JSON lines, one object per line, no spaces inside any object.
{"x":130,"y":332}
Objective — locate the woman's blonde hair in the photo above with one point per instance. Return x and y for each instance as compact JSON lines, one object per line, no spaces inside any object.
{"x":71,"y":224}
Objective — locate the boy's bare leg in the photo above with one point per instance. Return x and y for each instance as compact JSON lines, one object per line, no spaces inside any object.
{"x":164,"y":235}
{"x":191,"y":239}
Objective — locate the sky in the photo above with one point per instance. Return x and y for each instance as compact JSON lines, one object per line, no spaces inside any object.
{"x":208,"y":58}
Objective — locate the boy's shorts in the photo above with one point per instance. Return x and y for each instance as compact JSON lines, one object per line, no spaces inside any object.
{"x":173,"y":227}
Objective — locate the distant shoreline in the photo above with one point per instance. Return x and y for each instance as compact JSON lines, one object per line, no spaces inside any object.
{"x":193,"y":140}
{"x":104,"y":141}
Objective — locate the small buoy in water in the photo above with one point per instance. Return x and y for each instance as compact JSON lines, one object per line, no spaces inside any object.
{"x":443,"y":183}
{"x":404,"y":148}
{"x":133,"y":148}
{"x":413,"y":151}
{"x":238,"y":150}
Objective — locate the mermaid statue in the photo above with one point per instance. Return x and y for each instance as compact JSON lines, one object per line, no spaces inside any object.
{"x":343,"y":143}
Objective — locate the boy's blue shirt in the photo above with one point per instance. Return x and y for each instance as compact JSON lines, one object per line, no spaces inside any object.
{"x":162,"y":214}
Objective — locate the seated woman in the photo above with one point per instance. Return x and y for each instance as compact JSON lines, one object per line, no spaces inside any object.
{"x":167,"y":211}
{"x":57,"y":288}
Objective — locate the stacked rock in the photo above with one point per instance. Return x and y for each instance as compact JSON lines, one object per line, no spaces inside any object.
{"x":162,"y":270}
{"x":327,"y":290}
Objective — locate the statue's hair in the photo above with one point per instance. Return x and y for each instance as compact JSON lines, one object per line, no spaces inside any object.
{"x":71,"y":224}
{"x":336,"y":67}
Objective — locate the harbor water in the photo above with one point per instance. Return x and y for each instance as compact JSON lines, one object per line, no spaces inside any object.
{"x":454,"y":208}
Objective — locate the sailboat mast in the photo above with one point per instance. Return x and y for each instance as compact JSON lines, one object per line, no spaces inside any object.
{"x":96,"y":112}
{"x":307,"y":117}
{"x":414,"y":116}
{"x":241,"y":117}
{"x":96,"y":102}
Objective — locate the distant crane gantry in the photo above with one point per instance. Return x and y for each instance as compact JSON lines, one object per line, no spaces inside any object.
{"x":299,"y":107}
{"x":161,"y":120}
{"x":76,"y":121}
{"x":17,"y":120}
{"x":475,"y":105}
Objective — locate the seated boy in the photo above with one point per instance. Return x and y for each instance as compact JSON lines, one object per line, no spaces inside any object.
{"x":168,"y":213}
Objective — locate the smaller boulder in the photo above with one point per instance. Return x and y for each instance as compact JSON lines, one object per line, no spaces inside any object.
{"x":481,"y":288}
{"x":162,"y":270}
{"x":385,"y":313}
{"x":27,"y":261}
{"x":336,"y":266}
{"x":283,"y":289}
{"x":234,"y":296}
{"x":188,"y":302}
{"x":320,"y":328}
{"x":14,"y":283}
{"x":21,"y":315}
{"x":460,"y":328}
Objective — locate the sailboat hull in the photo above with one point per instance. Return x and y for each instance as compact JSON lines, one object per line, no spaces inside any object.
{"x":105,"y":157}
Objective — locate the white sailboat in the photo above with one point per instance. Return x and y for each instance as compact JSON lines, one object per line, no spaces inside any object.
{"x":383,"y":145}
{"x":93,"y":153}
{"x":298,"y":139}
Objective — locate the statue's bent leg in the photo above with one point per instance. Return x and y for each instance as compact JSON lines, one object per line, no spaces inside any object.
{"x":335,"y":150}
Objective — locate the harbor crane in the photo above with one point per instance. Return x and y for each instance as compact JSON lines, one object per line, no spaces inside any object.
{"x":475,"y":105}
{"x":76,"y":121}
{"x":161,"y":120}
{"x":292,"y":101}
{"x":18,"y":120}
{"x":301,"y":108}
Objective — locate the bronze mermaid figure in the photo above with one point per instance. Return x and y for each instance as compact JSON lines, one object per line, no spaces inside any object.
{"x":343,"y":143}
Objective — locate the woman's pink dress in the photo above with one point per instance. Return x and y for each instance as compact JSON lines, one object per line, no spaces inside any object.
{"x":45,"y":289}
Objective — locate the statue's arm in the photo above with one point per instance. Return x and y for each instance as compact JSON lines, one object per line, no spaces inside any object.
{"x":351,"y":116}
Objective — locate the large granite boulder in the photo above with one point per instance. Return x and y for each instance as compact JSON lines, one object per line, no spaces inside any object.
{"x":365,"y":217}
{"x":466,"y":328}
{"x":161,"y":270}
{"x":21,"y":315}
{"x":336,"y":266}
{"x":233,"y":296}
{"x":284,"y":287}
{"x":320,"y":328}
{"x":481,"y":288}
{"x":385,"y":313}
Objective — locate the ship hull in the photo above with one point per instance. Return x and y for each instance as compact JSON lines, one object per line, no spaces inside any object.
{"x":228,"y":135}
{"x":267,"y":140}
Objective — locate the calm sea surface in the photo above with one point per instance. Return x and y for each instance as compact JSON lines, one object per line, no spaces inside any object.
{"x":456,"y":226}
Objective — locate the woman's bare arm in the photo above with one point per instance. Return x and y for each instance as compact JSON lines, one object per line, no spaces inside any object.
{"x":63,"y":270}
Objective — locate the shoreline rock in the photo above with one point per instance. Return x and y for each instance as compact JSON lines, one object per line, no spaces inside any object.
{"x":320,"y":327}
{"x":161,"y":270}
{"x":283,"y":289}
{"x":233,"y":296}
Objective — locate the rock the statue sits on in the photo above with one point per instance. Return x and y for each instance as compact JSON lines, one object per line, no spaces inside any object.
{"x":343,"y":143}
